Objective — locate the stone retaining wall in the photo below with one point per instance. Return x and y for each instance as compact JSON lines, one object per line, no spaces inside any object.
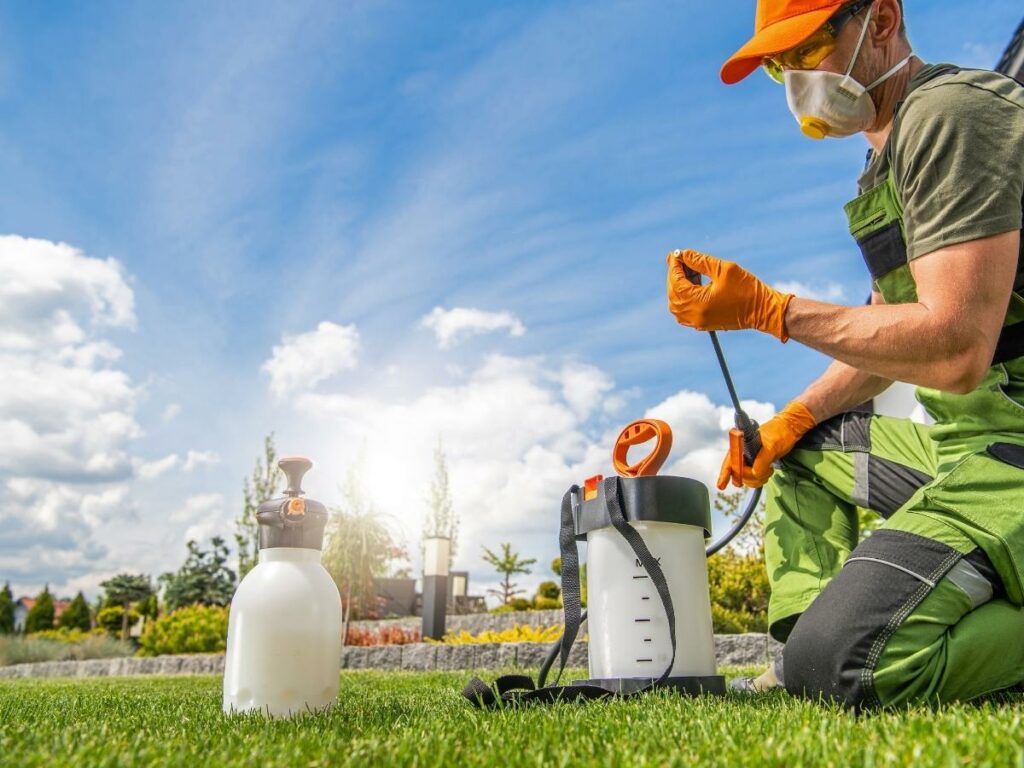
{"x":730,"y":650}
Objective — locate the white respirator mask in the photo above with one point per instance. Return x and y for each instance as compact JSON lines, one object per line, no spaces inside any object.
{"x":830,"y":104}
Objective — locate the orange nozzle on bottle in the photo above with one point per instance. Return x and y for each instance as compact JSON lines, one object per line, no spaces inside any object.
{"x":295,"y":508}
{"x":637,"y":433}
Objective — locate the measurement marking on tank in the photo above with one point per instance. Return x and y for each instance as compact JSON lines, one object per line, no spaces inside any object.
{"x":645,"y":597}
{"x":639,"y":577}
{"x":645,"y":659}
{"x":647,"y":640}
{"x":641,"y":620}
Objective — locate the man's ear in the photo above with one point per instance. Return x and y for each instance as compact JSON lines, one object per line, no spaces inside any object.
{"x":886,"y":21}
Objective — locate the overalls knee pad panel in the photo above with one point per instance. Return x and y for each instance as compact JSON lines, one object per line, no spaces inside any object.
{"x":855,"y":459}
{"x":834,"y":646}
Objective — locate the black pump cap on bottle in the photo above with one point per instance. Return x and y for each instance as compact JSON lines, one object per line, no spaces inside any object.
{"x":290,"y":520}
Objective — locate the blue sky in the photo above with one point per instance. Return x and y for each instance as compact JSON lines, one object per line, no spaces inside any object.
{"x":258,"y":169}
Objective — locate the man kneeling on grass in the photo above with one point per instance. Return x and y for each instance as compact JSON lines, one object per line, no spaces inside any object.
{"x":929,"y":607}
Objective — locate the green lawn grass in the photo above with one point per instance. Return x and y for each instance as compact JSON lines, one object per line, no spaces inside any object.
{"x":388,"y":718}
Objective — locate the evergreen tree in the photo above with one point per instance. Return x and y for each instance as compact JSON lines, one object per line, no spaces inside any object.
{"x":125,"y":589}
{"x":358,"y":546}
{"x":508,"y":564}
{"x":441,"y":518}
{"x":76,"y":615}
{"x":6,"y":610}
{"x":262,"y":486}
{"x":204,"y":579}
{"x":40,"y":615}
{"x":149,"y":607}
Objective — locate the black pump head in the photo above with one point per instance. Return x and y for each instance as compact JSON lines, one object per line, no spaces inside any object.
{"x":290,"y":520}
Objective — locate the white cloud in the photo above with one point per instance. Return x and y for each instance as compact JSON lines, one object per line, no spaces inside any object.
{"x":150,"y":470}
{"x":65,"y":412}
{"x":451,"y":326}
{"x":828,"y":292}
{"x":301,"y":362}
{"x":196,"y":459}
{"x":204,"y":515}
{"x":170,"y":413}
{"x":47,"y":527}
{"x":585,"y":388}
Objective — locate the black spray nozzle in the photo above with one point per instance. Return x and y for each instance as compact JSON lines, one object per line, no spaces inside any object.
{"x":745,"y":424}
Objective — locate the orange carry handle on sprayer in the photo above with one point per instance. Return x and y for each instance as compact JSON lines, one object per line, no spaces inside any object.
{"x":637,"y":433}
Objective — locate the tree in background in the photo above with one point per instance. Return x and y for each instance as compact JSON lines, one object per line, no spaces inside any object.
{"x":441,"y":518}
{"x":149,"y":607}
{"x":508,"y":564}
{"x":40,"y":615}
{"x":123,"y":590}
{"x":751,"y":539}
{"x":76,"y":615}
{"x":6,"y":610}
{"x":204,"y":579}
{"x":358,"y":547}
{"x":736,"y":575}
{"x":255,"y":490}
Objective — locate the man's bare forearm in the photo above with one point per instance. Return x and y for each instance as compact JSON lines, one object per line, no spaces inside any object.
{"x":903,"y":342}
{"x":944,"y":340}
{"x":840,"y":388}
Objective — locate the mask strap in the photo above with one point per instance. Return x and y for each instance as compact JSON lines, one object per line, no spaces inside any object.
{"x":890,"y":73}
{"x":860,"y":41}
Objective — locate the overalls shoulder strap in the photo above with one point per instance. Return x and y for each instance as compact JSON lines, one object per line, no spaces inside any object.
{"x":876,"y":223}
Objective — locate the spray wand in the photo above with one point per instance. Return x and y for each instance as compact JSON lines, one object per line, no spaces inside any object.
{"x":744,"y":438}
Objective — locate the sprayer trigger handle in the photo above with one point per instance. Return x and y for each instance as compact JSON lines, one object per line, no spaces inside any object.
{"x":751,"y":442}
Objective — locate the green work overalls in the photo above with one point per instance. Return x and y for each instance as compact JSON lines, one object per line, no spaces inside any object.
{"x":929,"y":606}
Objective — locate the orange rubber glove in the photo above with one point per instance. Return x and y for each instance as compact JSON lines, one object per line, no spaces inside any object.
{"x":778,"y":436}
{"x":734,"y":299}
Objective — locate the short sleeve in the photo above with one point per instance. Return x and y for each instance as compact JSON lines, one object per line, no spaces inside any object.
{"x":958,"y":164}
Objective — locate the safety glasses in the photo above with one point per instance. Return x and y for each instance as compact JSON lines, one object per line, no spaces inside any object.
{"x":812,"y":51}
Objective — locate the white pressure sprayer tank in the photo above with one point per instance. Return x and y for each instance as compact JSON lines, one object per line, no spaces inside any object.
{"x":284,"y":632}
{"x":627,"y":621}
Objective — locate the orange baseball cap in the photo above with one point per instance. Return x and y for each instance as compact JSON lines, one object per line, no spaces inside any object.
{"x":778,"y":26}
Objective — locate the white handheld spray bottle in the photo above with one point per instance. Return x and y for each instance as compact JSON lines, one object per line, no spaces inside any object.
{"x":284,"y":633}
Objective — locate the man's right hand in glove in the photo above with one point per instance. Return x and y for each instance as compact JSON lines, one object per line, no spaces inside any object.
{"x":778,"y":436}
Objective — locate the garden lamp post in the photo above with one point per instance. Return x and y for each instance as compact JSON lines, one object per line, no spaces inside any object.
{"x":436,"y":553}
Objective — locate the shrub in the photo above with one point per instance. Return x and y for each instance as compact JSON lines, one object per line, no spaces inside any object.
{"x":111,"y":619}
{"x":520,"y":604}
{"x":520,"y":633}
{"x":549,"y":590}
{"x":69,"y":635}
{"x":53,"y":645}
{"x":196,"y":629}
{"x":546,"y":603}
{"x":393,"y":635}
{"x":739,"y":592}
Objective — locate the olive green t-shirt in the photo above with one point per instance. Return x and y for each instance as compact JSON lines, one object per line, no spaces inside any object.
{"x":957,"y":155}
